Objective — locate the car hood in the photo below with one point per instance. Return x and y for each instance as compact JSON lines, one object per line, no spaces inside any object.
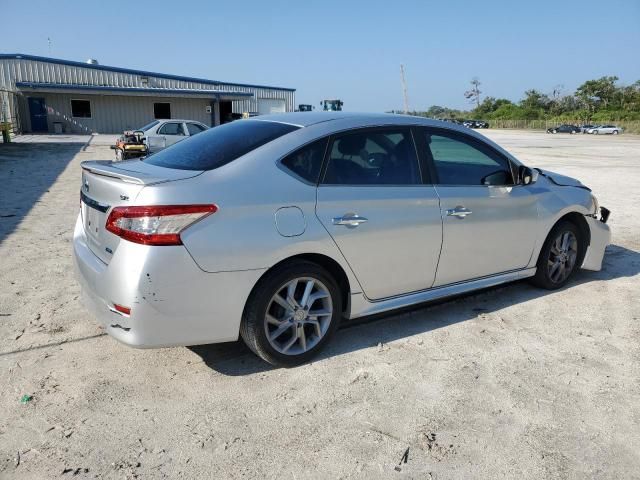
{"x":562,"y":180}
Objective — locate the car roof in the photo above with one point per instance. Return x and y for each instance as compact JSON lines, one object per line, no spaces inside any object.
{"x":306,"y":119}
{"x":161,"y":120}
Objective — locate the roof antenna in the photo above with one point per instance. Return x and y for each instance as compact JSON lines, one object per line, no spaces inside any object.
{"x":49,"y":43}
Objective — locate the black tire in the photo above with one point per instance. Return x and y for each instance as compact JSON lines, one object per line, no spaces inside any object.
{"x":615,"y":132}
{"x":252,"y":328}
{"x":543,"y":277}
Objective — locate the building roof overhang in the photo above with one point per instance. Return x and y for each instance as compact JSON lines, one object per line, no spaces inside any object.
{"x":33,"y":87}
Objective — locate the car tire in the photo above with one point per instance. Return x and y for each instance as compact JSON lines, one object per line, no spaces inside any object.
{"x":119,"y":155}
{"x":269,"y":310}
{"x":615,"y":132}
{"x":554,"y":131}
{"x":557,"y":263}
{"x":572,"y":132}
{"x":595,"y":132}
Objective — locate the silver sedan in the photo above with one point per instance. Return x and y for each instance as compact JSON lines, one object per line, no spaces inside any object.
{"x":605,"y":129}
{"x":276,"y":229}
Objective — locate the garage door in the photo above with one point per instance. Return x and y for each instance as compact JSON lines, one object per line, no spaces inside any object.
{"x":269,"y":105}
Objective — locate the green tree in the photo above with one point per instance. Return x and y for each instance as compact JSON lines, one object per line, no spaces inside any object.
{"x":534,"y":100}
{"x":598,"y":93}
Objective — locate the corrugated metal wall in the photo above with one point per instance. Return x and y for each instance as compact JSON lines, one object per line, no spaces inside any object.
{"x":26,"y":70}
{"x":112,"y":114}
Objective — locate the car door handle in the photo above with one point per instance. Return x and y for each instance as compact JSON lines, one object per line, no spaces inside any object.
{"x":349,"y":220}
{"x":459,"y":212}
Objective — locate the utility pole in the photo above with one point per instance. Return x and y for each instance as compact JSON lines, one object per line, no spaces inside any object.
{"x":404,"y":90}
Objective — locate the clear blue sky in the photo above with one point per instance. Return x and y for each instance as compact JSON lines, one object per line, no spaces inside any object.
{"x":346,"y":49}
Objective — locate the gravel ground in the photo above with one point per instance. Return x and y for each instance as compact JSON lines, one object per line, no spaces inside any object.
{"x":512,"y":382}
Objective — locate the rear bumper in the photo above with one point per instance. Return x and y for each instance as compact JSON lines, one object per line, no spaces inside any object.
{"x":173,"y":302}
{"x":600,"y":238}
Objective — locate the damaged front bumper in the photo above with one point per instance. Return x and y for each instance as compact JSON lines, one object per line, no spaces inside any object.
{"x":600,"y":238}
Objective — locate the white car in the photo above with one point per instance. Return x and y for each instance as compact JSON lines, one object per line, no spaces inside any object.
{"x":160,"y":134}
{"x":612,"y":129}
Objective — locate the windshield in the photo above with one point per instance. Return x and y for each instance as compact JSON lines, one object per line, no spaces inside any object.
{"x":220,"y":145}
{"x":148,"y":126}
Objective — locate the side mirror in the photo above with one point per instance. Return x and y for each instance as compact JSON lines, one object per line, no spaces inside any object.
{"x":528,"y":176}
{"x":500,"y":177}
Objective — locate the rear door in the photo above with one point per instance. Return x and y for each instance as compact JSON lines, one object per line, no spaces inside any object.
{"x":489,"y":223}
{"x":170,"y":133}
{"x":373,"y":201}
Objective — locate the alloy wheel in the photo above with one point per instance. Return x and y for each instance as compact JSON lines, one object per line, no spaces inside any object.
{"x":298,"y":316}
{"x":562,"y":256}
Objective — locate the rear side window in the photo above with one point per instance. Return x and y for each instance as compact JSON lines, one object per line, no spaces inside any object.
{"x":307,"y":161}
{"x":373,"y":157}
{"x":220,"y":145}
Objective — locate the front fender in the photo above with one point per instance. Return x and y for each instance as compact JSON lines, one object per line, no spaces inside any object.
{"x":554,"y":202}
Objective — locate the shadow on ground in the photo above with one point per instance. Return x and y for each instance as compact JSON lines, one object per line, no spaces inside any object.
{"x":27,"y":172}
{"x":236,"y":359}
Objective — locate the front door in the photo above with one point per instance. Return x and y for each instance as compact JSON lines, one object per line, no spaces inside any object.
{"x":38,"y":114}
{"x":489,"y":222}
{"x":384,"y":220}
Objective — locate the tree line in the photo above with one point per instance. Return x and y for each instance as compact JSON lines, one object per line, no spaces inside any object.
{"x":599,"y":100}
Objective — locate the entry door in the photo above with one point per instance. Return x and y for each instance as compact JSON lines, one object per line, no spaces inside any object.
{"x":384,"y":220}
{"x":38,"y":114}
{"x":489,"y":223}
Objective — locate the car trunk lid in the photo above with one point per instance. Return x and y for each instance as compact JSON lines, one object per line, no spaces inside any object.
{"x":105,"y":185}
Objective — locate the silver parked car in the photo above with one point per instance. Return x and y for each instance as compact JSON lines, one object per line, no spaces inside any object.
{"x":276,"y":228}
{"x":160,"y":134}
{"x":606,"y":129}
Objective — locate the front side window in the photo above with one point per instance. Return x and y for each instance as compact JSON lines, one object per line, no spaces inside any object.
{"x":81,"y":108}
{"x":220,"y":145}
{"x":195,"y":128}
{"x":373,"y":157}
{"x":172,"y":128}
{"x":460,"y":160}
{"x":307,"y":161}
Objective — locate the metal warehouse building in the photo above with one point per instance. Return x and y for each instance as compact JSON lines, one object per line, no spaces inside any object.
{"x":39,"y":94}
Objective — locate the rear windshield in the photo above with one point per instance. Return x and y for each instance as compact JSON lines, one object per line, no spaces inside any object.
{"x":149,"y":126}
{"x":220,"y":145}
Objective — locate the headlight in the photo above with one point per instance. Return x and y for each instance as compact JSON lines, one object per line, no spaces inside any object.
{"x":596,"y":207}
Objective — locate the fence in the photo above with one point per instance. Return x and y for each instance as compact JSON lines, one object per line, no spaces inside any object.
{"x":628,"y":126}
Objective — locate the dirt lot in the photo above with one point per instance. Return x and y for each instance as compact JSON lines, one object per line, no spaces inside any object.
{"x":509,"y":383}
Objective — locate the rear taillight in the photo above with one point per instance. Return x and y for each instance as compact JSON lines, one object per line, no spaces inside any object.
{"x":155,"y":225}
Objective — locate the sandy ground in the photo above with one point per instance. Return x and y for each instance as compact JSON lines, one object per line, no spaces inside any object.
{"x":512,"y":382}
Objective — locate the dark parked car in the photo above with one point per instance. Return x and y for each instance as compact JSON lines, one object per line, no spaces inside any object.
{"x":564,"y":129}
